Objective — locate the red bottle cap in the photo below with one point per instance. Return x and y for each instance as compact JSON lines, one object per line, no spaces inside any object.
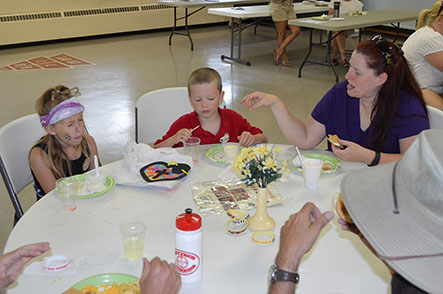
{"x":188,"y":221}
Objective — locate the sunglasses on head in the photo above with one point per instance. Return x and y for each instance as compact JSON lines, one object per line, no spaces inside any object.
{"x":385,"y":49}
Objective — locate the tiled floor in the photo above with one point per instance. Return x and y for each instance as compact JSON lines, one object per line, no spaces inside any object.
{"x":125,"y":67}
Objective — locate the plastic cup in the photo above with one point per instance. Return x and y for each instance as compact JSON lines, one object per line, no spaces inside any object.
{"x":95,"y":183}
{"x":192,"y":148}
{"x":65,"y":193}
{"x":231,"y":151}
{"x":133,"y":235}
{"x":311,"y":172}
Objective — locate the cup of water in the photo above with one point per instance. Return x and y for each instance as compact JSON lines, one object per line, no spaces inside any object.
{"x":133,"y":235}
{"x":66,"y":193}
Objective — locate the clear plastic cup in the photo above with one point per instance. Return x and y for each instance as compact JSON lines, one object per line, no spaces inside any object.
{"x":133,"y":235}
{"x":192,"y":148}
{"x":65,"y":188}
{"x":311,"y":172}
{"x":95,"y":183}
{"x":231,"y":151}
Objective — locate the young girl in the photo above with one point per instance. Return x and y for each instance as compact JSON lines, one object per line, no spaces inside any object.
{"x":67,"y":149}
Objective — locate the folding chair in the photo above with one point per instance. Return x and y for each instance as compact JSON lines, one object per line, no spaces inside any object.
{"x":155,"y":111}
{"x":16,"y":139}
{"x":435,"y":117}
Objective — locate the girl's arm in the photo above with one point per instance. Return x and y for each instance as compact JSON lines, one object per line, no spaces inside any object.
{"x":38,"y":160}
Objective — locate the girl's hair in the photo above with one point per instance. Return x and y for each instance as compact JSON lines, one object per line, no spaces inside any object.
{"x":49,"y":143}
{"x":400,"y":80}
{"x":204,"y":75}
{"x":427,"y":16}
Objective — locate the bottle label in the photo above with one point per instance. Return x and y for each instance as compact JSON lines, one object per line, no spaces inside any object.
{"x":187,"y":263}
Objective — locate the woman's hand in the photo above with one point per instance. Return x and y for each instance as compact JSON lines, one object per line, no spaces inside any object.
{"x":258,"y":99}
{"x":352,"y":152}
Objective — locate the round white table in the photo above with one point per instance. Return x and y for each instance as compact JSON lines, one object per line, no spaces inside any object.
{"x":338,"y":262}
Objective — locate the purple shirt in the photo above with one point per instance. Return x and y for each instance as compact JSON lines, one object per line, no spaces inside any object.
{"x":340,"y":114}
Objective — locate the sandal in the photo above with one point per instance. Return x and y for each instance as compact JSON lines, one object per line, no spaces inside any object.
{"x":285,"y":62}
{"x":345,"y":63}
{"x":334,"y":61}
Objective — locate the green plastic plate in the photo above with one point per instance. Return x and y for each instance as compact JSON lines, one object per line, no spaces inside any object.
{"x":217,"y":154}
{"x":110,"y":183}
{"x":336,"y":163}
{"x":105,"y":279}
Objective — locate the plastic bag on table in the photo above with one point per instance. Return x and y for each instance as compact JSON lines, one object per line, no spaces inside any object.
{"x":136,"y":156}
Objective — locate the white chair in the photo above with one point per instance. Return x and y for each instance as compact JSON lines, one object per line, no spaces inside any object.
{"x":435,"y":117}
{"x":155,"y":111}
{"x":16,"y":139}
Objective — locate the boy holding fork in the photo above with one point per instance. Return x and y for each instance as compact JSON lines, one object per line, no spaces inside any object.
{"x":209,"y":122}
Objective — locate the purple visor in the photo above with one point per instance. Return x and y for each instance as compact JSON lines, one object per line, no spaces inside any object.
{"x":63,"y":110}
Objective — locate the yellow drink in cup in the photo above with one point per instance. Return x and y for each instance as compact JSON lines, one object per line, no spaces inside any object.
{"x":133,"y":235}
{"x":133,"y":248}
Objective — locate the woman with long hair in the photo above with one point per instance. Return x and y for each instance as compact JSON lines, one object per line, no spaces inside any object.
{"x":377,"y":112}
{"x":424,"y":52}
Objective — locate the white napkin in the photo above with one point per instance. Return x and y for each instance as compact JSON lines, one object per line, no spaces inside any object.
{"x":313,"y":282}
{"x":120,"y":210}
{"x":36,"y":268}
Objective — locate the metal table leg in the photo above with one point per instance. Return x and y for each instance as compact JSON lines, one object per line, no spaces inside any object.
{"x":174,"y":28}
{"x":239,"y":30}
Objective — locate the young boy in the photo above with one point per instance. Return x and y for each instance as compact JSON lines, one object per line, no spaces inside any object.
{"x":209,"y":122}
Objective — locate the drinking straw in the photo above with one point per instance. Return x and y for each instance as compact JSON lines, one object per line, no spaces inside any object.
{"x":96,"y":166}
{"x":299,"y":155}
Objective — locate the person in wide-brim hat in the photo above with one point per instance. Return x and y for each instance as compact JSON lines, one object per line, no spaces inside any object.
{"x":398,"y":208}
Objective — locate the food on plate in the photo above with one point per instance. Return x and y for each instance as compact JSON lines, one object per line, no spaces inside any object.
{"x":123,"y":288}
{"x":333,"y":139}
{"x":341,"y":210}
{"x":356,"y":12}
{"x":327,"y":166}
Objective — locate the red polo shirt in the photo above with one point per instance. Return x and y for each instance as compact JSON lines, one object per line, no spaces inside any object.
{"x":231,"y":122}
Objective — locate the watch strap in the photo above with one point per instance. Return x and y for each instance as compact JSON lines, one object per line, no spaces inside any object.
{"x":281,"y":275}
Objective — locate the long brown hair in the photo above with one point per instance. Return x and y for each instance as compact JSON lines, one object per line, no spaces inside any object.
{"x":49,"y":143}
{"x":400,"y":79}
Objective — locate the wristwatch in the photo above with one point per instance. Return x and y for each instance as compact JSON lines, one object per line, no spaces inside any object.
{"x":277,"y":275}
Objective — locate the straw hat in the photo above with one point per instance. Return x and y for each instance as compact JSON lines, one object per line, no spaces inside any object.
{"x":410,"y":241}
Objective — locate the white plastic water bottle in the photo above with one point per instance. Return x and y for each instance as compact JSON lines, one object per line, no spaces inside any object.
{"x":188,"y":246}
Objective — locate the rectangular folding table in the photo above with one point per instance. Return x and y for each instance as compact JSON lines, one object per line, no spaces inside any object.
{"x":372,"y":18}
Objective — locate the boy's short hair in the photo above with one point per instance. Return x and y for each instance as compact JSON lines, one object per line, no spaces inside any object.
{"x":202,"y":76}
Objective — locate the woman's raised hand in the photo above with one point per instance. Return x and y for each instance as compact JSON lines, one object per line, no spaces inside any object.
{"x":352,"y":152}
{"x":258,"y":99}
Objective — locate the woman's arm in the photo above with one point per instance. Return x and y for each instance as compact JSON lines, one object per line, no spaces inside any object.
{"x":355,"y":152}
{"x":38,"y":160}
{"x":304,"y":135}
{"x":436,"y":60}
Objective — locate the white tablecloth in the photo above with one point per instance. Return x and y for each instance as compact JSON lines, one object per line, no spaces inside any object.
{"x":338,"y":262}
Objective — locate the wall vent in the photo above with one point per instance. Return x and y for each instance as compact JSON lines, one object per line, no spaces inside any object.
{"x":154,"y":7}
{"x":34,"y":16}
{"x":101,"y":11}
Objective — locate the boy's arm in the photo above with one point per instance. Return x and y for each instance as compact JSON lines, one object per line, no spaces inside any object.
{"x":181,"y":136}
{"x":260,"y":138}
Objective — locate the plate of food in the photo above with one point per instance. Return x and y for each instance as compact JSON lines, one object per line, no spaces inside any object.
{"x":109,"y":284}
{"x":330,"y":163}
{"x":339,"y":205}
{"x":322,"y":17}
{"x":217,"y":153}
{"x":81,"y":190}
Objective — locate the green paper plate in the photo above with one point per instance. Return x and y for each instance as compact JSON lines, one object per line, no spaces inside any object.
{"x":110,"y":183}
{"x":336,"y":163}
{"x":217,"y":154}
{"x":105,"y":279}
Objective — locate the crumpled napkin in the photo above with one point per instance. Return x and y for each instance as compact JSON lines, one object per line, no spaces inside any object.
{"x":36,"y":268}
{"x":136,"y":156}
{"x":120,"y":210}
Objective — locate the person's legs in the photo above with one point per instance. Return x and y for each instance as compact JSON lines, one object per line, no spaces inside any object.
{"x":341,"y":43}
{"x":294,"y":32}
{"x":433,"y":99}
{"x":334,"y":49}
{"x":281,"y":34}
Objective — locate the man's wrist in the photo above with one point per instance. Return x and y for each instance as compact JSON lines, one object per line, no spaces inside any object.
{"x":286,"y":264}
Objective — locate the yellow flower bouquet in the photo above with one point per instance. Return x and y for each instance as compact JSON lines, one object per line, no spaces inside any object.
{"x":258,"y":165}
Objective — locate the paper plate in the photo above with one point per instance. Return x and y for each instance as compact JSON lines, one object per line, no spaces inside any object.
{"x":334,"y":164}
{"x":105,"y":279}
{"x":217,"y":154}
{"x":110,"y":183}
{"x":320,"y":18}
